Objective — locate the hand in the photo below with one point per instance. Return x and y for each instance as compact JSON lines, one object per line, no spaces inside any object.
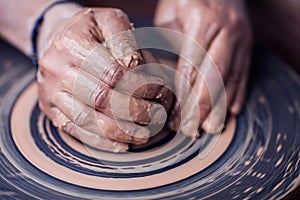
{"x":221,"y":27}
{"x":79,"y":69}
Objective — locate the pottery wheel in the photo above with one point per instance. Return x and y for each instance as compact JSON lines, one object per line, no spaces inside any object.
{"x":257,"y":156}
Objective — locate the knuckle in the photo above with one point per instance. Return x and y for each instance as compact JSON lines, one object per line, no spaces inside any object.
{"x":112,"y":74}
{"x":53,"y":66}
{"x":100,"y":97}
{"x":116,"y":13}
{"x":44,"y":72}
{"x":64,"y":41}
{"x":59,"y":43}
{"x":41,"y":74}
{"x":48,"y":62}
{"x":235,"y":20}
{"x":195,"y":14}
{"x":70,"y":128}
{"x":204,"y":105}
{"x":81,"y":117}
{"x":44,"y":67}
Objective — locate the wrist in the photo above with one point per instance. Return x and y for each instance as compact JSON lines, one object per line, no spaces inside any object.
{"x":54,"y":21}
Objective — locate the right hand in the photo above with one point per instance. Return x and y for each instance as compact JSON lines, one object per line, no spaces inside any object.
{"x":75,"y":89}
{"x":214,"y":61}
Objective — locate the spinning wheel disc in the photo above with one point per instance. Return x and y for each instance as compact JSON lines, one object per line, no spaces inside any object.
{"x":258,"y":155}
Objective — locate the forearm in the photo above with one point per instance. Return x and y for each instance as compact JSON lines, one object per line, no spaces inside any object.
{"x":17,"y":18}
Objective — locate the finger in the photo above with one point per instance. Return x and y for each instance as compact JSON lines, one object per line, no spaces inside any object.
{"x":167,"y":100}
{"x":83,"y":50}
{"x":235,"y":86}
{"x":100,"y":64}
{"x":67,"y":126}
{"x":152,"y":79}
{"x":244,"y":62}
{"x":154,"y":141}
{"x":199,"y":37}
{"x":119,"y":38}
{"x":214,"y":122}
{"x":240,"y":74}
{"x":163,"y":72}
{"x":116,"y":76}
{"x":79,"y":37}
{"x":165,"y":13}
{"x":239,"y":99}
{"x":155,"y":68}
{"x":98,"y":123}
{"x":111,"y":102}
{"x":209,"y":84}
{"x":94,"y":140}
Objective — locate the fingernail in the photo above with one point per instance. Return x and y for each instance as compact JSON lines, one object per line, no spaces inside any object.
{"x":211,"y":128}
{"x":236,"y":109}
{"x":140,"y":134}
{"x":157,"y":113}
{"x":190,"y":128}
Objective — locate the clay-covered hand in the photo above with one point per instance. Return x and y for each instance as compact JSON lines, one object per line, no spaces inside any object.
{"x":222,"y":28}
{"x":81,"y":63}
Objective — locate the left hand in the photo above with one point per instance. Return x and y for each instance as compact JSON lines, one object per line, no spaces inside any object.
{"x":222,"y":28}
{"x":88,"y":82}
